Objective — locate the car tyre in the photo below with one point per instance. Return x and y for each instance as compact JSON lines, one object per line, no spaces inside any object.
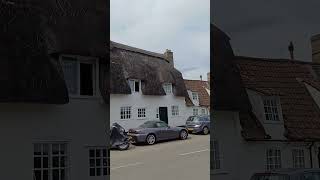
{"x":205,"y":130}
{"x":151,"y":139}
{"x":183,"y":135}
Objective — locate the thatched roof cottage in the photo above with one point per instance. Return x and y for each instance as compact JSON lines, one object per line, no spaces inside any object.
{"x":52,"y":57}
{"x":145,"y":86}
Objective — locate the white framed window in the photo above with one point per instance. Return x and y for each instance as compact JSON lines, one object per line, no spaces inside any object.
{"x":273,"y":157}
{"x":50,"y":161}
{"x":167,"y":88}
{"x":216,"y":160}
{"x":175,"y":110}
{"x":157,"y":113}
{"x":98,"y":165}
{"x":298,"y":158}
{"x":125,"y":112}
{"x":80,"y":74}
{"x":195,"y":96}
{"x":203,"y":111}
{"x":271,"y":109}
{"x":195,"y":112}
{"x":135,"y":85}
{"x":141,"y":112}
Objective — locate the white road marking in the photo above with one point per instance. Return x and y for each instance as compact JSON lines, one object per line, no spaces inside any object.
{"x":128,"y":165}
{"x":193,"y":152}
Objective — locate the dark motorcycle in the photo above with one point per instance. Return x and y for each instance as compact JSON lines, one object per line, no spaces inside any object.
{"x":119,"y":138}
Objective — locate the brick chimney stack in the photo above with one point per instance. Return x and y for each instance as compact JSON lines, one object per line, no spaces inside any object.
{"x":315,"y":44}
{"x":169,"y":56}
{"x":208,"y":77}
{"x":291,"y":50}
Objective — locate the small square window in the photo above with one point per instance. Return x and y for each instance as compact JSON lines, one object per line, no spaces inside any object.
{"x":134,"y":85}
{"x":273,"y":159}
{"x":175,"y":110}
{"x":195,"y":96}
{"x":125,"y":112}
{"x":195,"y":112}
{"x":141,"y":112}
{"x":271,"y":109}
{"x":167,"y":88}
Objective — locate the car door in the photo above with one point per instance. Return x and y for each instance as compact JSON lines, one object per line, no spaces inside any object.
{"x":165,"y":131}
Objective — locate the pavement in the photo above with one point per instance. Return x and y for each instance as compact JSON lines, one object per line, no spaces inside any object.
{"x":172,"y":160}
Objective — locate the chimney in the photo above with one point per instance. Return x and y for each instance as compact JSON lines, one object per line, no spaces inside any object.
{"x":208,"y":77}
{"x":169,"y":56}
{"x":291,"y":49}
{"x":315,"y":45}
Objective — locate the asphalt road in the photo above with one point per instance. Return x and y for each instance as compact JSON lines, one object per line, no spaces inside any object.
{"x":173,"y":160}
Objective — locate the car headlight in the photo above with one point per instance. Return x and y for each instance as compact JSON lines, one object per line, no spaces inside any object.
{"x":198,"y":125}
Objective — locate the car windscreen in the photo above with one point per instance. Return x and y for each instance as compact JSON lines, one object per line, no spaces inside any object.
{"x":270,"y":177}
{"x":311,"y":176}
{"x":193,"y":119}
{"x":148,"y":124}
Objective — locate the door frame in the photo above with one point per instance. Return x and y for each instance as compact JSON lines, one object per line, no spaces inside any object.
{"x":164,"y":109}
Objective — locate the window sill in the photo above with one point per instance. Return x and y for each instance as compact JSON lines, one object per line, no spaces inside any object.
{"x":218,"y":172}
{"x":273,"y":122}
{"x":83,"y":97}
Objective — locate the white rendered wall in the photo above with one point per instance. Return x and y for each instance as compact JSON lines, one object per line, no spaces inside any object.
{"x":151,"y":103}
{"x":81,"y":123}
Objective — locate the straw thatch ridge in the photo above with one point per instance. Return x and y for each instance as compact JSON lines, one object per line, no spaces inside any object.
{"x":151,"y":68}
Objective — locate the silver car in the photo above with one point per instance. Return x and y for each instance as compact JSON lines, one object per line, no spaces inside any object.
{"x":151,"y":132}
{"x":288,"y":174}
{"x":198,"y":124}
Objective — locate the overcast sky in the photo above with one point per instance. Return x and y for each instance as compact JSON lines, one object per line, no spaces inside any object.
{"x":264,"y":28}
{"x":157,"y":25}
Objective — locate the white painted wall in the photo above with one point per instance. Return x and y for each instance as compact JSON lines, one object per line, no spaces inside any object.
{"x":240,"y":158}
{"x":81,"y":123}
{"x":151,"y":103}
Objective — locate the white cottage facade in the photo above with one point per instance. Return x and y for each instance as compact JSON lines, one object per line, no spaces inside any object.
{"x":145,"y":99}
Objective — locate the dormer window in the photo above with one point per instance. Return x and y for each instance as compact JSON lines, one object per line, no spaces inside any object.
{"x":134,"y":85}
{"x":167,"y":88}
{"x":271,"y":109}
{"x":195,"y":96}
{"x":80,"y":75}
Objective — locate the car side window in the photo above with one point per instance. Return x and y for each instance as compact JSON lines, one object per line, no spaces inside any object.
{"x":160,"y":125}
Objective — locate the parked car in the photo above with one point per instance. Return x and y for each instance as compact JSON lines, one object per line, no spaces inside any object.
{"x":118,"y":138}
{"x":198,"y":124}
{"x":288,"y":174}
{"x":151,"y":132}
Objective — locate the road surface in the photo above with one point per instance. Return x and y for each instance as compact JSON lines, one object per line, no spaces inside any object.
{"x":188,"y":159}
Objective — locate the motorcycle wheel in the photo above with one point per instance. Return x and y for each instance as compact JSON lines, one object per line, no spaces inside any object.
{"x":123,"y":146}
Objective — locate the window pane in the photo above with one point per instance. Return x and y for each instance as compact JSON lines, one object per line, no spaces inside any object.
{"x":62,"y":161}
{"x":105,"y":171}
{"x":45,"y":149}
{"x":37,"y":149}
{"x":86,"y":79}
{"x":70,"y":71}
{"x":136,"y":86}
{"x":45,"y":161}
{"x":92,"y":172}
{"x":55,"y":149}
{"x":55,"y":174}
{"x":92,"y":162}
{"x":37,"y":174}
{"x":45,"y":175}
{"x":104,"y":153}
{"x":55,"y":161}
{"x":37,"y":162}
{"x":62,"y":174}
{"x":98,"y":162}
{"x":98,"y":151}
{"x":91,"y":153}
{"x":98,"y":172}
{"x":63,"y":149}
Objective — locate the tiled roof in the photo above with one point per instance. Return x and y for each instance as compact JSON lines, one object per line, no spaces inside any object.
{"x":286,"y":78}
{"x":199,"y":87}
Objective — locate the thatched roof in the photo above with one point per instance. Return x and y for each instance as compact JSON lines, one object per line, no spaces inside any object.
{"x":151,"y":68}
{"x":33,"y":33}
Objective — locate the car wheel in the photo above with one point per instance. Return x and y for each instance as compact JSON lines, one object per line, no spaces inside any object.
{"x":183,"y":134}
{"x":205,"y":130}
{"x":151,"y":139}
